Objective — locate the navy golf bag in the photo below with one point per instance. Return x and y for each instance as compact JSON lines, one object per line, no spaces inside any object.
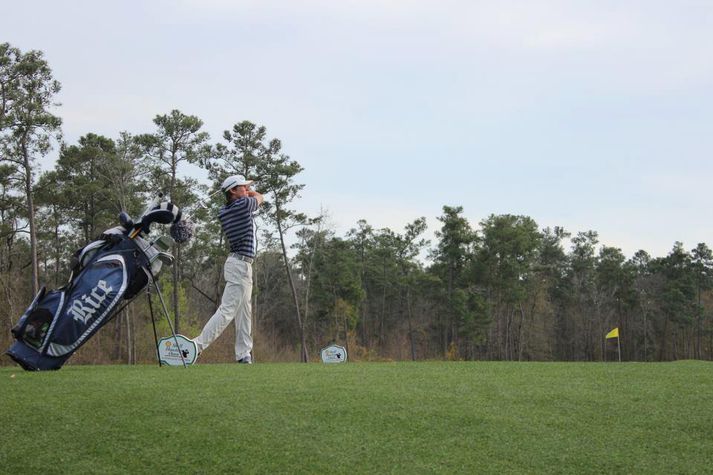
{"x":106,"y":274}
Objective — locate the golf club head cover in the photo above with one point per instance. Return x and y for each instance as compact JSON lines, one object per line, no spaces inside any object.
{"x":125,"y":220}
{"x":162,"y":213}
{"x":182,"y":231}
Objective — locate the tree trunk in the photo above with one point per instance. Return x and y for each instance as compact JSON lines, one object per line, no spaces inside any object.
{"x":130,"y":351}
{"x":646,"y":345}
{"x":117,"y":335}
{"x":662,"y":348}
{"x":364,"y":309}
{"x":698,"y":326}
{"x":383,"y":306}
{"x":521,"y":333}
{"x":8,"y":292}
{"x":346,"y":333}
{"x":58,"y":257}
{"x":308,"y":279}
{"x":31,"y":215}
{"x":303,"y":351}
{"x":449,"y":295}
{"x":674,"y":340}
{"x":410,"y":325}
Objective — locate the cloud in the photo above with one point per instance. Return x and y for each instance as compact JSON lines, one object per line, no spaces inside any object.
{"x":582,"y":114}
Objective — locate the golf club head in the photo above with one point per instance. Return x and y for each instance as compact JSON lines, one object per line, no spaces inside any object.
{"x":125,"y":220}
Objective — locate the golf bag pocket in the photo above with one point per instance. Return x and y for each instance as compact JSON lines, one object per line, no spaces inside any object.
{"x":88,"y":305}
{"x":33,"y":326}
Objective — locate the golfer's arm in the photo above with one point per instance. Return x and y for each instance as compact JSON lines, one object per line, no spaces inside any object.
{"x":257,"y":196}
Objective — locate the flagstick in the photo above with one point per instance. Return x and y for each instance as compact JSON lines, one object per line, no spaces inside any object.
{"x":618,"y":346}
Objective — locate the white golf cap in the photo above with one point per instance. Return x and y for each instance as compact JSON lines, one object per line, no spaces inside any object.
{"x":233,"y":181}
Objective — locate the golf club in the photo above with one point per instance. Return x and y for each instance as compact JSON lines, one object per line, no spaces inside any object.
{"x":204,"y":203}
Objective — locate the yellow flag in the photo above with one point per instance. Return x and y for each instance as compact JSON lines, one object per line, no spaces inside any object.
{"x":613,"y":334}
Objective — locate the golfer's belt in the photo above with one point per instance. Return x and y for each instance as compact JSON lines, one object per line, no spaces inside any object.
{"x":247,"y":259}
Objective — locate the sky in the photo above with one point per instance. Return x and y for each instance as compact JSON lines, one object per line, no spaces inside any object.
{"x":582,"y":114}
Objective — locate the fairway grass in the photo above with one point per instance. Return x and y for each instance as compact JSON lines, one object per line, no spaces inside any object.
{"x":446,"y":417}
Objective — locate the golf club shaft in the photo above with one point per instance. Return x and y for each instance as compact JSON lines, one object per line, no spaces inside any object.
{"x":204,"y":203}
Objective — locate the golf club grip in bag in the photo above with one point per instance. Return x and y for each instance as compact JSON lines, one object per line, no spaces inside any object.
{"x":105,"y":273}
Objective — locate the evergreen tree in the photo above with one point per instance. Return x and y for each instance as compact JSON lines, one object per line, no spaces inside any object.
{"x":702,"y":269}
{"x":506,"y":259}
{"x":178,"y":139}
{"x":451,"y":258}
{"x":27,"y":125}
{"x":277,"y":174}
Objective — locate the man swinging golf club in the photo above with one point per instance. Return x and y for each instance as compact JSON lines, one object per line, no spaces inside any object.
{"x":236,"y":219}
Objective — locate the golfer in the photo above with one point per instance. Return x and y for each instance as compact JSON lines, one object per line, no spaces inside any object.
{"x":236,"y":219}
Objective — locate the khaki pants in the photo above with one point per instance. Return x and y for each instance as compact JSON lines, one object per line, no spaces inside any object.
{"x":236,"y":305}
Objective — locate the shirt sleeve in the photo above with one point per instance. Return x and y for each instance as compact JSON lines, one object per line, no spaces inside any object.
{"x":248,"y":203}
{"x":252,"y":203}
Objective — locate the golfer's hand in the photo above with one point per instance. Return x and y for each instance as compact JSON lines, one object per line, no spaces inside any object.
{"x":256,"y":195}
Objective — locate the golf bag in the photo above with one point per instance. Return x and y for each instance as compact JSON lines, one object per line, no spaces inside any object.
{"x":106,"y":274}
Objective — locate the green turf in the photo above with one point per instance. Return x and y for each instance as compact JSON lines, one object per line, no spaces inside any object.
{"x":360,"y":418}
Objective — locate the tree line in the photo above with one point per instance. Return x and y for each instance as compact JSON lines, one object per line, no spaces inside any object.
{"x":503,"y":289}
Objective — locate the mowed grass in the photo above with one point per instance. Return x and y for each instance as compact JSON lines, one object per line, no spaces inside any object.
{"x":480,"y":417}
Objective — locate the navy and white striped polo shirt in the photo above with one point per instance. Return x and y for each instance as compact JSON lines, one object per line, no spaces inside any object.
{"x":238,"y":225}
